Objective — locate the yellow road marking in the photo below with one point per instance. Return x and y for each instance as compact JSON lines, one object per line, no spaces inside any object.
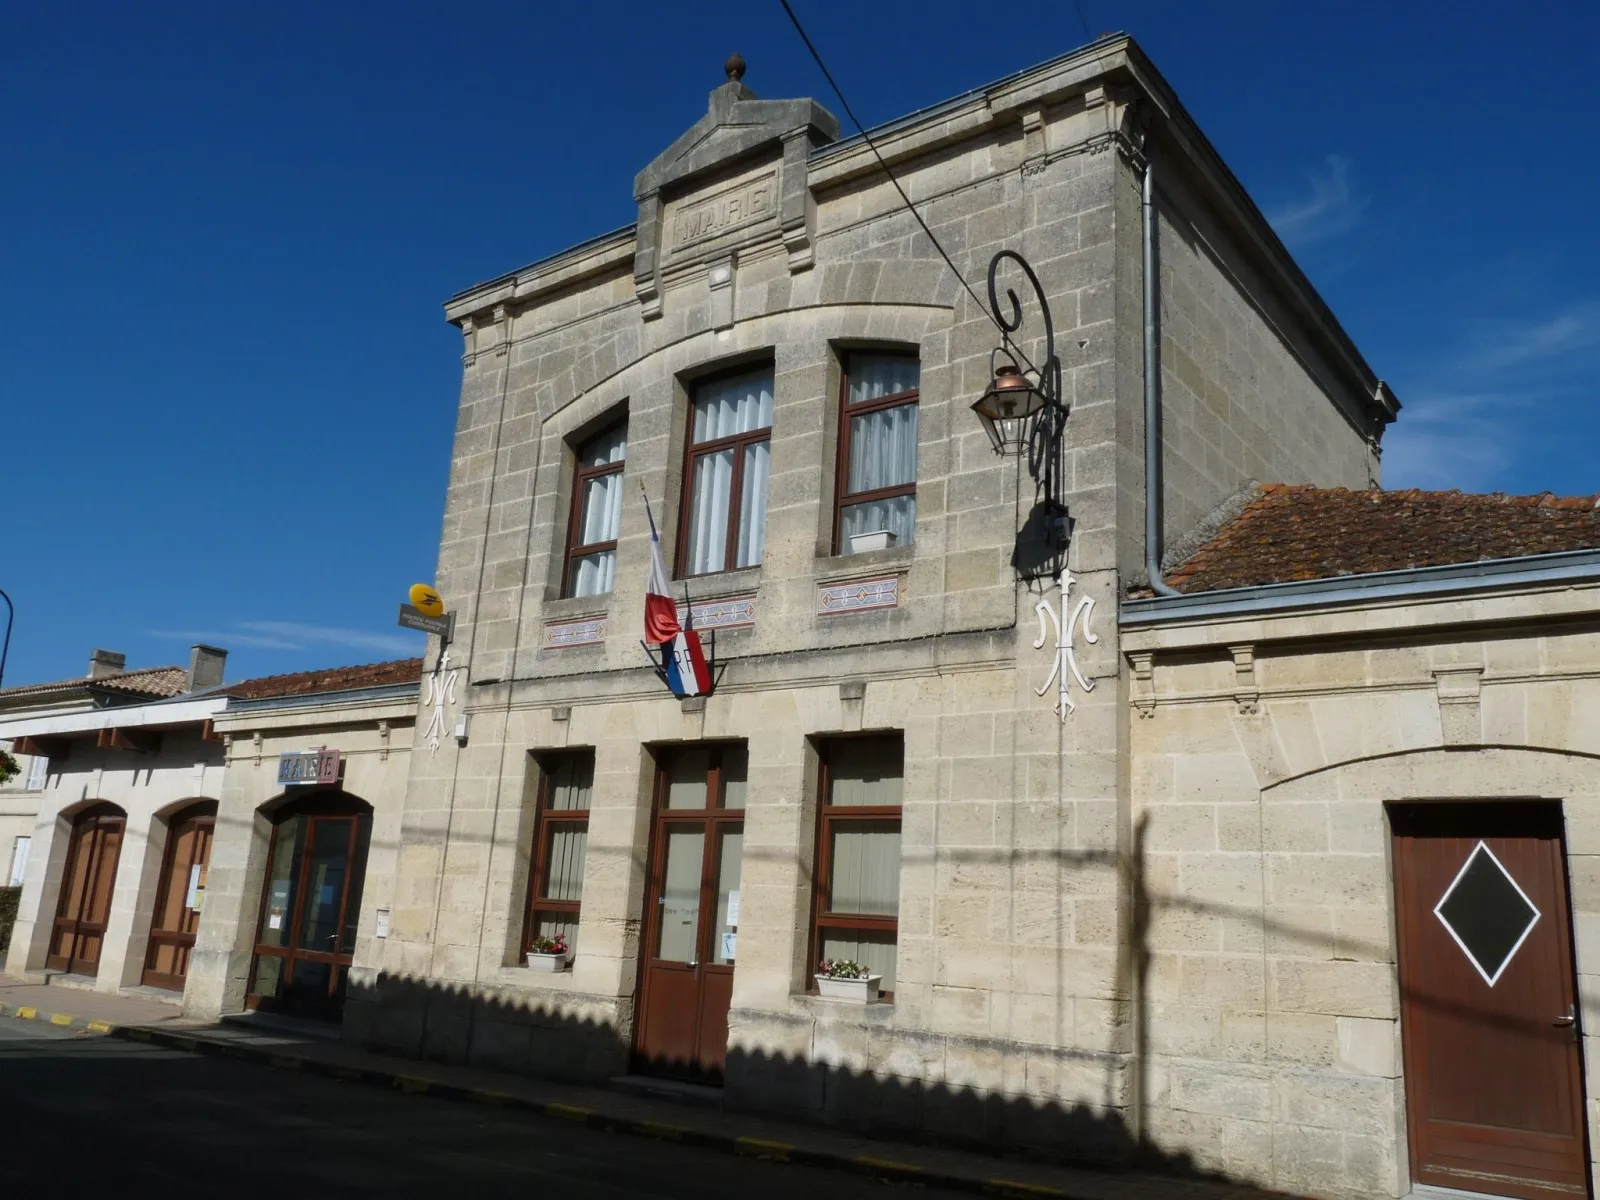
{"x":568,"y":1112}
{"x":27,"y":1014}
{"x":62,"y":1018}
{"x":886,"y":1164}
{"x":99,"y":1026}
{"x":761,"y":1148}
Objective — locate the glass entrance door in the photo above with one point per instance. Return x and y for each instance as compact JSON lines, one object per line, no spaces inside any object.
{"x":692,"y":912}
{"x":310,"y":905}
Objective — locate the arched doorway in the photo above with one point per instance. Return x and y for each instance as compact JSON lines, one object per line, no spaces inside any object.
{"x":179,"y":895}
{"x":86,"y":886}
{"x":310,"y":903}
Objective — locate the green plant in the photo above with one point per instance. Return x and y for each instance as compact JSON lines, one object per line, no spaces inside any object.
{"x":548,"y":945}
{"x":9,"y":898}
{"x":8,"y":767}
{"x":842,"y":968}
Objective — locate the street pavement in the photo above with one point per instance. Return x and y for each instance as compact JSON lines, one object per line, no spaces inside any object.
{"x":135,"y":1119}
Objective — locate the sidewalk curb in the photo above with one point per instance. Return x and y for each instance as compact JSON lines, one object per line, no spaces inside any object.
{"x":64,"y":1020}
{"x":746,"y":1147}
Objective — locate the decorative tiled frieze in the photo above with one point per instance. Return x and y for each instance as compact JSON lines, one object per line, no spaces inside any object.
{"x":730,"y":612}
{"x":858,"y":595}
{"x":584,"y":631}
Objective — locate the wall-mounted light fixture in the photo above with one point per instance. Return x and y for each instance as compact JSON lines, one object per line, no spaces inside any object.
{"x":1025,"y":414}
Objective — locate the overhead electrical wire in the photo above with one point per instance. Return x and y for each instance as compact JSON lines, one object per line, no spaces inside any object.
{"x":1005,"y":334}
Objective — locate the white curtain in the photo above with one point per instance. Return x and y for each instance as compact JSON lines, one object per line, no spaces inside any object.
{"x":874,"y":375}
{"x":708,"y":512}
{"x":753,"y":505}
{"x":883,"y":449}
{"x":742,"y":404}
{"x":600,"y":513}
{"x":898,"y":515}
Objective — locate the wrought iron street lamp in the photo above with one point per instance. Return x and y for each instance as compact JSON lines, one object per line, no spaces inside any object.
{"x":5,"y":647}
{"x":1025,"y":415}
{"x":1022,"y":409}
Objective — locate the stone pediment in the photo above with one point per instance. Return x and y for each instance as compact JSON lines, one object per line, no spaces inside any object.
{"x":687,"y":208}
{"x":737,"y":122}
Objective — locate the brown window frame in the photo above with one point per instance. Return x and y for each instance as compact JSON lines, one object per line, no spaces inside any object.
{"x":546,"y":821}
{"x":693,"y":450}
{"x":580,"y":478}
{"x":843,"y":499}
{"x":829,"y":816}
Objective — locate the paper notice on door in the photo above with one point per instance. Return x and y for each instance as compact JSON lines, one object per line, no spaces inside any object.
{"x":192,"y":900}
{"x":730,"y":943}
{"x":733,"y":908}
{"x":274,"y":921}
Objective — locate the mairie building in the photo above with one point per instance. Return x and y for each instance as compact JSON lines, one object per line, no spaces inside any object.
{"x":1278,"y":867}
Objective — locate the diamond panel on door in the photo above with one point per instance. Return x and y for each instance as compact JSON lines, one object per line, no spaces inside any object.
{"x":1487,"y":913}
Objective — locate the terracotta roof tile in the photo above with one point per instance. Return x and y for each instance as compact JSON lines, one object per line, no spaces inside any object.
{"x":1293,"y":533}
{"x":331,"y":679}
{"x":159,"y":682}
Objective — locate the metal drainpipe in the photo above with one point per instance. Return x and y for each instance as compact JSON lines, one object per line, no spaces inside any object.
{"x":1152,"y":385}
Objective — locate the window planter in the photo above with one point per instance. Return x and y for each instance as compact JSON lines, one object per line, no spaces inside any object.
{"x":546,"y":962}
{"x":858,"y":991}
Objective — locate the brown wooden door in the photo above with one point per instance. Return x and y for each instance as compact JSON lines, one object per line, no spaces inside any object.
{"x":1489,"y":1012}
{"x":686,"y":977}
{"x":179,"y":896}
{"x":310,"y":906}
{"x":84,"y":906}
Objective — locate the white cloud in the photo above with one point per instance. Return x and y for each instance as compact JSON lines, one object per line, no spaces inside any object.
{"x":1504,"y":344}
{"x":1331,"y":207}
{"x":1449,"y":441}
{"x":293,"y":635}
{"x":1490,"y":401}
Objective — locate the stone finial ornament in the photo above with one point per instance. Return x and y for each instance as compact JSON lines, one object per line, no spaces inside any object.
{"x":734,"y":67}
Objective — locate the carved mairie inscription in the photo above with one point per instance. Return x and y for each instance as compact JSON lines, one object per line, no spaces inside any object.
{"x":712,"y":216}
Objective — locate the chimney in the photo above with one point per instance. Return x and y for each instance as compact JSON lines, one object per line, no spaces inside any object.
{"x":205,"y":666}
{"x":106,"y":662}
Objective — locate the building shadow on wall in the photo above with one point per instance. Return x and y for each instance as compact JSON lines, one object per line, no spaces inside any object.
{"x":527,"y":1033}
{"x":450,"y":1024}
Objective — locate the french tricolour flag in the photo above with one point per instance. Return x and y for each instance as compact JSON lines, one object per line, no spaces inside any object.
{"x":687,"y":673}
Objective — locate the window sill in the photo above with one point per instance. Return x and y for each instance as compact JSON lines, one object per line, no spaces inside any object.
{"x":718,"y":585}
{"x":847,"y":566}
{"x":577,"y":606}
{"x":825,"y":1008}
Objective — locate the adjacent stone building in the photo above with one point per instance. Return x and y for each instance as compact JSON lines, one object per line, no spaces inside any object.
{"x":1365,"y":820}
{"x":205,"y":839}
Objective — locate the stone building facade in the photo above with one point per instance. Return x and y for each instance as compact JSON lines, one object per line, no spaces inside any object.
{"x":876,"y":775}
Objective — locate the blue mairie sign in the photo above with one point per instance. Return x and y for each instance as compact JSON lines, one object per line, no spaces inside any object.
{"x":319,"y":767}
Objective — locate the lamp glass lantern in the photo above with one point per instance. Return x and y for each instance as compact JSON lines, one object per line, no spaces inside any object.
{"x":1008,"y":409}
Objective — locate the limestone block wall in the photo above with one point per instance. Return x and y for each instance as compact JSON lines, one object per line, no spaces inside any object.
{"x":149,"y":788}
{"x":1246,"y":392}
{"x":1269,"y":995}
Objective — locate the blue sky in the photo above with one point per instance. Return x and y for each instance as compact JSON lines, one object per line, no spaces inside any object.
{"x":227,"y":390}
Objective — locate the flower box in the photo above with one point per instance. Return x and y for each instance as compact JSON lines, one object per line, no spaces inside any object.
{"x":860,"y":991}
{"x":547,"y":962}
{"x":877,"y":539}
